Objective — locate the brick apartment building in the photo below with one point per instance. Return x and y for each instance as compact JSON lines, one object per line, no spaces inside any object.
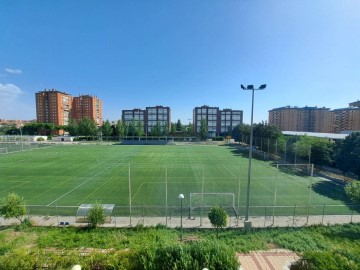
{"x":218,"y":121}
{"x":346,"y":119}
{"x":87,"y":106}
{"x":308,"y":119}
{"x":313,"y":119}
{"x":149,"y":117}
{"x":53,"y":106}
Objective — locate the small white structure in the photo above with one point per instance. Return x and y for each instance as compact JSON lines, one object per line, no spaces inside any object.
{"x":39,"y":138}
{"x":83,"y":210}
{"x":63,"y":139}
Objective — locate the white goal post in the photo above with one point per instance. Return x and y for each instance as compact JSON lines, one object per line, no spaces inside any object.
{"x":205,"y":201}
{"x":3,"y":150}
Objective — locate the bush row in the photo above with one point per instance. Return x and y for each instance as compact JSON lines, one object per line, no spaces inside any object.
{"x":329,"y":260}
{"x":178,"y":256}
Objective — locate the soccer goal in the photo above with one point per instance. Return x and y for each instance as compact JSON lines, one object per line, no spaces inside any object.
{"x":297,"y":169}
{"x":200,"y":202}
{"x":3,"y":150}
{"x":292,"y":170}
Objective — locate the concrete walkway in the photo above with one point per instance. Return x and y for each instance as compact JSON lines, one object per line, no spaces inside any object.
{"x":173,"y":222}
{"x":274,"y":259}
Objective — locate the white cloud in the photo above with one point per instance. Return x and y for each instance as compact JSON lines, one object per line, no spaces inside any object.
{"x":9,"y":90}
{"x":15,"y":103}
{"x":13,"y":71}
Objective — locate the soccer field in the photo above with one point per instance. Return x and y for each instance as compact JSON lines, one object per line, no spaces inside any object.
{"x":70,"y":175}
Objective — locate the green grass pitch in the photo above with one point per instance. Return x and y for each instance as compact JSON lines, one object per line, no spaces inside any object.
{"x":70,"y":175}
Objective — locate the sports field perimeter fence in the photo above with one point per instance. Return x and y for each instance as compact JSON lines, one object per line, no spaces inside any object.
{"x":261,"y":216}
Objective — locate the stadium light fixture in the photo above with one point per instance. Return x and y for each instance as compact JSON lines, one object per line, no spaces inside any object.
{"x":181,"y":197}
{"x":247,"y":222}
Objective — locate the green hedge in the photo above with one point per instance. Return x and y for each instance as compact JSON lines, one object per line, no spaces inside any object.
{"x":211,"y":255}
{"x":329,"y":260}
{"x":178,"y":256}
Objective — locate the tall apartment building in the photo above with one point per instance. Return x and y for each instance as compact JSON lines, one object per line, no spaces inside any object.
{"x":355,"y":104}
{"x":87,"y":106}
{"x":149,"y":117}
{"x":218,"y":121}
{"x":230,"y":119}
{"x":309,"y":119}
{"x":211,"y":115}
{"x":135,"y":114}
{"x":346,"y":119}
{"x":158,"y":114}
{"x":53,"y":106}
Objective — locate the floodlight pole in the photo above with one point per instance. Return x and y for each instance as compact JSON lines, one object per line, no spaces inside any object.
{"x":247,"y":222}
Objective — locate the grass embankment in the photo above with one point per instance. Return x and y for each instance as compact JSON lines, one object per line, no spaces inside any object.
{"x":150,"y":247}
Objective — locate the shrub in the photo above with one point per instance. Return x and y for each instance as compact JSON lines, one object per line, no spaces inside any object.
{"x":96,"y":215}
{"x":329,"y":260}
{"x":211,"y":255}
{"x":218,"y":217}
{"x":13,"y":206}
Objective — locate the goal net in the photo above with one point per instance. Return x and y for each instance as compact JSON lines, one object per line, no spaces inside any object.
{"x":297,"y":169}
{"x":205,"y":201}
{"x":3,"y":150}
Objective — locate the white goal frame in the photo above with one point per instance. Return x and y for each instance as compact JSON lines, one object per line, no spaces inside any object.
{"x":206,"y":200}
{"x":6,"y":151}
{"x":310,"y":167}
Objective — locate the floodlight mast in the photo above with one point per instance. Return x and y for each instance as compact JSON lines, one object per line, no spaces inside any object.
{"x":247,"y":222}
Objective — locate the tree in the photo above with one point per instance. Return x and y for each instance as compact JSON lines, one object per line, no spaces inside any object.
{"x":218,"y":218}
{"x":156,"y":130}
{"x":120,"y":129}
{"x":165,"y":129}
{"x":241,"y":132}
{"x":106,"y":129}
{"x":179,"y":126}
{"x":203,"y":129}
{"x":12,"y":130}
{"x":321,"y":151}
{"x":173,"y":128}
{"x":353,"y":191}
{"x":72,"y":127}
{"x":96,"y":215}
{"x":190,"y":129}
{"x":132,"y":128}
{"x":13,"y":206}
{"x":348,"y":155}
{"x":30,"y":129}
{"x":139,"y":129}
{"x":87,"y":127}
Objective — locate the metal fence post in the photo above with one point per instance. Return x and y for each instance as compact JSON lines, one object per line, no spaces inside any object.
{"x":308,"y":213}
{"x":294,"y":215}
{"x":265,"y":217}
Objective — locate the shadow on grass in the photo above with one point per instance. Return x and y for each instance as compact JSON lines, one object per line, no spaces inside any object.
{"x":335,"y":191}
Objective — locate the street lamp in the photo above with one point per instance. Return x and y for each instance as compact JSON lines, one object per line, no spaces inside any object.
{"x":181,"y":197}
{"x":247,"y":222}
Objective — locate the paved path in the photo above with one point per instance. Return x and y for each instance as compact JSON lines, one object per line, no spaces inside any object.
{"x":274,"y":259}
{"x":173,"y":222}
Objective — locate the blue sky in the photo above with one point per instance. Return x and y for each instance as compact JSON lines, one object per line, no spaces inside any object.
{"x":181,"y":54}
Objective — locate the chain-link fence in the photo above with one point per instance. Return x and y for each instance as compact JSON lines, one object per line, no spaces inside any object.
{"x":261,"y":216}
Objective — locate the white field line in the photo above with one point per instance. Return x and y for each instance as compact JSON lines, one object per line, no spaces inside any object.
{"x":62,"y":196}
